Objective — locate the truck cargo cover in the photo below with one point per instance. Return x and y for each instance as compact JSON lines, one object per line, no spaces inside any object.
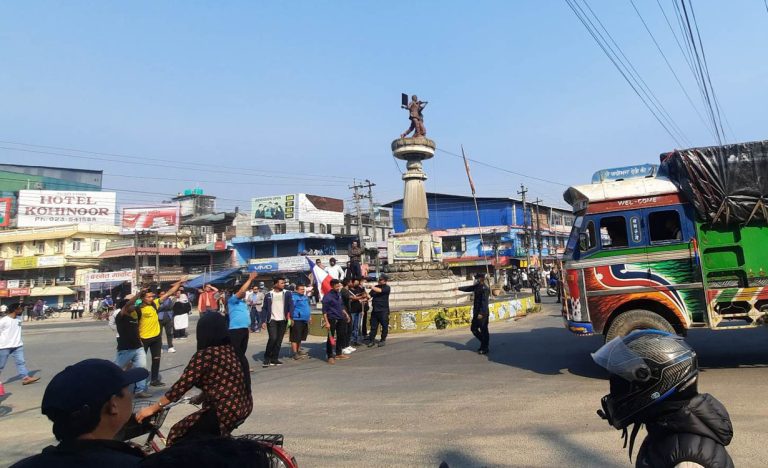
{"x":726,"y":184}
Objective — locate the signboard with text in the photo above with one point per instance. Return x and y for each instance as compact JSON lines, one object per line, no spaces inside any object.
{"x":16,"y":292}
{"x":297,"y":207}
{"x":163,"y":219}
{"x":40,"y":208}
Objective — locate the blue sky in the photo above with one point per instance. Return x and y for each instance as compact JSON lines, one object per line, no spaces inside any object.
{"x":307,"y":92}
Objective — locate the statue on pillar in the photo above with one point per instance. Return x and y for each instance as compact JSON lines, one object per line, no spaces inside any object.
{"x":415,"y":108}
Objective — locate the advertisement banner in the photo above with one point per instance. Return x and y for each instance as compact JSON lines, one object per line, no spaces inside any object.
{"x":322,"y":210}
{"x":3,"y":284}
{"x":5,"y":211}
{"x":23,"y":263}
{"x":15,"y":292}
{"x":163,"y":219}
{"x":52,"y":261}
{"x":407,"y":250}
{"x":13,"y":284}
{"x":273,"y":210}
{"x":40,"y":208}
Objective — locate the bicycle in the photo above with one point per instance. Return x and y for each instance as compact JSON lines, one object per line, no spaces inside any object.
{"x":151,"y":427}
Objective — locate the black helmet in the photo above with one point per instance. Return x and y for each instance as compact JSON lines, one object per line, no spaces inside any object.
{"x":646,"y":367}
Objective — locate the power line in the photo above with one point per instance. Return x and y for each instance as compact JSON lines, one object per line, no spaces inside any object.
{"x":671,"y":69}
{"x":592,"y":30}
{"x":503,"y":169}
{"x":164,"y":160}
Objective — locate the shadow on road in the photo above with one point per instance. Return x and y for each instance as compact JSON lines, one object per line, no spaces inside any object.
{"x":18,"y":377}
{"x":730,"y":348}
{"x":549,"y":351}
{"x":456,"y":458}
{"x":578,"y":452}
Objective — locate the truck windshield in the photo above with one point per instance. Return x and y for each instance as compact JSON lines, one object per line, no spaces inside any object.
{"x":573,"y":239}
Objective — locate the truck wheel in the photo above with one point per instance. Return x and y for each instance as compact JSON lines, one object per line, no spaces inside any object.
{"x":637,"y":319}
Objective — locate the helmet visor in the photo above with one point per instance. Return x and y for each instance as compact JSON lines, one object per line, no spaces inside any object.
{"x":618,"y":359}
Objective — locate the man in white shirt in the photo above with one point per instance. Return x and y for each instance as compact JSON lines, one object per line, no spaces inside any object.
{"x":335,"y":270}
{"x":11,"y":344}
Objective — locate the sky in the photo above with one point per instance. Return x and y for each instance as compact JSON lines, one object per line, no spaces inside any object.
{"x":256,"y":98}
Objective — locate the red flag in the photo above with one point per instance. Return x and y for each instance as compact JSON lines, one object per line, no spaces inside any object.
{"x":466,"y":166}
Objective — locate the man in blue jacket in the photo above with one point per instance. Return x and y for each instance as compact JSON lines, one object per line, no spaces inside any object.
{"x":278,"y":307}
{"x":300,"y":321}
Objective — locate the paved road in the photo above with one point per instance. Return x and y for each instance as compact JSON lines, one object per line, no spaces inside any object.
{"x":428,"y":397}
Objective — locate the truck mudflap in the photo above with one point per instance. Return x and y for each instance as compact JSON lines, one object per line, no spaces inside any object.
{"x":579,"y":328}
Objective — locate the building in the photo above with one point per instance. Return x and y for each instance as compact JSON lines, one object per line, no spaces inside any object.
{"x":16,"y":177}
{"x":508,"y":235}
{"x":50,"y":263}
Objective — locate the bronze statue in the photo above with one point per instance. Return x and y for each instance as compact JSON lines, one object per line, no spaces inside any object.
{"x":417,"y":118}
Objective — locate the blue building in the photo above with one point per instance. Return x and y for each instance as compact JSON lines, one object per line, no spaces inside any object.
{"x":511,"y":235}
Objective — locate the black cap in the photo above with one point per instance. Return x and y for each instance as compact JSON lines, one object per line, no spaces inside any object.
{"x":89,"y":382}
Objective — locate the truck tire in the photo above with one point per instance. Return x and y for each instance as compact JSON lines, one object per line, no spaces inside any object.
{"x":637,"y":319}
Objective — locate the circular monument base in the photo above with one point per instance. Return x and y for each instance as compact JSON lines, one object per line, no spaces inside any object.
{"x":417,"y":148}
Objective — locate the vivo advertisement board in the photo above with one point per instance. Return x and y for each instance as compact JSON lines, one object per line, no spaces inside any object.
{"x":40,"y":208}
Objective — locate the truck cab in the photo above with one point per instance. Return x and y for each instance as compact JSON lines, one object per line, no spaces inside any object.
{"x":631,"y":259}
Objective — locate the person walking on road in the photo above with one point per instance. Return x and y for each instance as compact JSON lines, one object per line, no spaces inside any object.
{"x":335,"y":321}
{"x":255,"y":301}
{"x":380,"y":314}
{"x":278,"y":307}
{"x":130,"y":350}
{"x":165,"y":315}
{"x":11,"y":344}
{"x":479,"y":326}
{"x":149,"y":327}
{"x":240,"y":318}
{"x":300,"y":321}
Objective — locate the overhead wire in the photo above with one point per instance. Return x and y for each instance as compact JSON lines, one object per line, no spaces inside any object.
{"x":604,"y":46}
{"x":671,"y":69}
{"x":639,"y":79}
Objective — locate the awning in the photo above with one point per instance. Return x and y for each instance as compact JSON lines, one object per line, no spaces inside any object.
{"x":51,"y":291}
{"x":213,"y":277}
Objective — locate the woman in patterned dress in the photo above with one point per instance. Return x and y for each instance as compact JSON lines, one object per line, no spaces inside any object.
{"x":222,"y":376}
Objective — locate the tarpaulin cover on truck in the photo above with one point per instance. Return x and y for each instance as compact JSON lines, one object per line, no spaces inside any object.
{"x":726,"y":184}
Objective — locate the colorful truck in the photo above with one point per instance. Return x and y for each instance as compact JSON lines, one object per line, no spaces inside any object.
{"x":672,"y":246}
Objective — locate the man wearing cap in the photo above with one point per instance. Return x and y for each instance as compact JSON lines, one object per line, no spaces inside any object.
{"x":479,"y":326}
{"x":88,"y":403}
{"x":11,"y":344}
{"x":380,"y":315}
{"x":335,"y":270}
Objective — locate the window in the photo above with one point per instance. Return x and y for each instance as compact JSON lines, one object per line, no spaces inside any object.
{"x":590,"y":234}
{"x":613,"y":232}
{"x":58,"y":246}
{"x":39,"y":246}
{"x":311,"y":227}
{"x":19,"y":249}
{"x":96,"y":245}
{"x":664,"y":226}
{"x":76,"y":244}
{"x":301,"y":226}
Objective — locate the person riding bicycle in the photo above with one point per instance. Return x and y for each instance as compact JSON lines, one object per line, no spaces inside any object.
{"x":224,"y":379}
{"x":88,"y":403}
{"x":653,"y":381}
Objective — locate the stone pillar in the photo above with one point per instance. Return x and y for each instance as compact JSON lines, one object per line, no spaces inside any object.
{"x":414,"y":151}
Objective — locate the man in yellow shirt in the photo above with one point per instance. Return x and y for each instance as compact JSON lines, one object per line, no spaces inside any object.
{"x":149,"y":327}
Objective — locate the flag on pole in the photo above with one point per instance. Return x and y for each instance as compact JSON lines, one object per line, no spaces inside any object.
{"x":322,"y":278}
{"x":466,"y":166}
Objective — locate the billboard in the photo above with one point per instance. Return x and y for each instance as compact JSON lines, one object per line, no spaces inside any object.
{"x":272,"y":210}
{"x":297,"y":207}
{"x":5,"y":211}
{"x":40,"y":208}
{"x":162,"y":218}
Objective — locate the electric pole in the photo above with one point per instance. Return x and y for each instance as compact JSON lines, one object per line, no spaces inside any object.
{"x":538,"y":232}
{"x":372,"y":215}
{"x":358,"y":196}
{"x":526,"y":244}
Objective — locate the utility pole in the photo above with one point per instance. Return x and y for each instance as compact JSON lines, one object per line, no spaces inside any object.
{"x":157,"y":257}
{"x":538,"y":232}
{"x":372,"y":215}
{"x":526,"y":245}
{"x":136,"y":257}
{"x":358,"y":196}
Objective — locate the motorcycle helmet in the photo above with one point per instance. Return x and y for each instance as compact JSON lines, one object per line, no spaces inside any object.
{"x":646,"y":368}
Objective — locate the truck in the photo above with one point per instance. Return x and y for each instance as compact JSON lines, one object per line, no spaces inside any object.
{"x":671,"y":246}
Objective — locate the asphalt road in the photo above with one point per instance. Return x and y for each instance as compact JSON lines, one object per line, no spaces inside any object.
{"x":429,"y":397}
